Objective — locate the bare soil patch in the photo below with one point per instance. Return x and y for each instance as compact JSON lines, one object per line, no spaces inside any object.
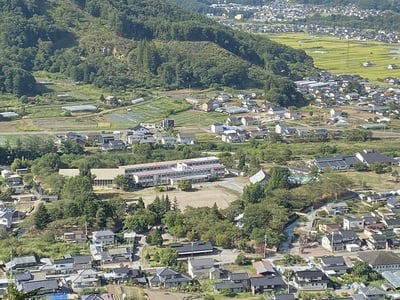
{"x":204,"y":195}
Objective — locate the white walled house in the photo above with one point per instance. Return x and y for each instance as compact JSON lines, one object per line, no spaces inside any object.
{"x":103,"y":237}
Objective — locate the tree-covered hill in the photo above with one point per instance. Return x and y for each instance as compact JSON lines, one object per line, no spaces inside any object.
{"x":124,"y":44}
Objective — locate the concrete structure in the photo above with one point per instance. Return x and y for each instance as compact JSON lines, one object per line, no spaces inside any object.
{"x":171,"y":172}
{"x":103,"y":178}
{"x":157,"y":173}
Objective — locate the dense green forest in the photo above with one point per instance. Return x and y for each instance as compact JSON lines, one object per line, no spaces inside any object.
{"x":121,"y":45}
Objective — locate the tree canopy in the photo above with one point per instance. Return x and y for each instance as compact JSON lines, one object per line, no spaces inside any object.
{"x":143,"y":44}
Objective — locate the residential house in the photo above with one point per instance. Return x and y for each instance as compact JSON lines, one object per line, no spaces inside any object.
{"x":338,"y":208}
{"x":88,"y":278}
{"x":376,"y":228}
{"x":167,"y":123}
{"x":76,"y":236}
{"x":136,"y":137}
{"x":114,"y":145}
{"x":393,"y":204}
{"x":247,"y":121}
{"x":186,"y":138}
{"x":236,"y":283}
{"x":276,"y":111}
{"x":232,"y":136}
{"x":333,"y":265}
{"x":280,"y":128}
{"x":107,"y":138}
{"x":335,"y":163}
{"x":392,"y":223}
{"x":352,"y":223}
{"x":370,"y":157}
{"x":20,"y":277}
{"x":215,"y":273}
{"x":125,"y":274}
{"x":352,"y":96}
{"x":233,"y":121}
{"x":262,"y":284}
{"x":381,"y":260}
{"x":293,"y":115}
{"x":371,"y":292}
{"x":311,"y":279}
{"x":75,"y":137}
{"x":193,"y":248}
{"x":116,"y":254}
{"x":168,"y":140}
{"x":337,"y":241}
{"x":103,"y":237}
{"x":200,"y":267}
{"x":382,"y":240}
{"x":257,"y":134}
{"x":328,"y":227}
{"x":264,"y":268}
{"x":217,"y":127}
{"x":140,"y":129}
{"x":6,"y":216}
{"x":15,"y":183}
{"x":80,"y":261}
{"x":23,"y":262}
{"x":167,"y":278}
{"x":45,"y":288}
{"x":209,"y":105}
{"x":63,"y":265}
{"x":376,"y":198}
{"x":222,"y":97}
{"x":94,"y":137}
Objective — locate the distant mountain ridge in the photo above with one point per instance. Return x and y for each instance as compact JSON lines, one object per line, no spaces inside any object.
{"x":123,"y":44}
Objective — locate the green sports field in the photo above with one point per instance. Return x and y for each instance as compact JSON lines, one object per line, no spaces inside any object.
{"x":341,"y":56}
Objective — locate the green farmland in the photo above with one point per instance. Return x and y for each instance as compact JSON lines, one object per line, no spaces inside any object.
{"x":346,"y":56}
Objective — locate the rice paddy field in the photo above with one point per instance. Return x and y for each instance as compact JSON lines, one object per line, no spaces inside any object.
{"x":341,"y":56}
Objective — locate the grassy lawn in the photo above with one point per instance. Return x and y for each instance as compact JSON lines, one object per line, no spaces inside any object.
{"x":372,"y":180}
{"x":341,"y":56}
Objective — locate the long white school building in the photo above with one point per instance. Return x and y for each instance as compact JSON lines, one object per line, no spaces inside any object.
{"x":158,"y":173}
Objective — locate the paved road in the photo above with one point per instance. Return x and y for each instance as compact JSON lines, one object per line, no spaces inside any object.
{"x":141,"y":241}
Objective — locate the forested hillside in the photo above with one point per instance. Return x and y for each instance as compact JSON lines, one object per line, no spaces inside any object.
{"x":120,"y":45}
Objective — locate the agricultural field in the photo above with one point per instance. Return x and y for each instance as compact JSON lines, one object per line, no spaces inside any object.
{"x":341,"y":56}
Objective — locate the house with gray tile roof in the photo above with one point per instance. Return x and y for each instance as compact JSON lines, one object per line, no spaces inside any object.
{"x":167,"y":278}
{"x":262,"y":284}
{"x":23,"y":262}
{"x":44,"y":287}
{"x":370,"y":157}
{"x":103,"y":237}
{"x":200,"y":267}
{"x":193,"y":248}
{"x":333,"y":265}
{"x":311,"y":279}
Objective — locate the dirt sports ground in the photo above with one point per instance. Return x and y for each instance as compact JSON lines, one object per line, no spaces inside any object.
{"x":221,"y":192}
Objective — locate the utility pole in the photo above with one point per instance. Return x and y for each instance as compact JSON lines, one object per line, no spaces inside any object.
{"x":265,"y":245}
